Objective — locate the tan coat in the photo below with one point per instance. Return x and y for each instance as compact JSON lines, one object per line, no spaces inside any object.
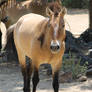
{"x":26,"y":34}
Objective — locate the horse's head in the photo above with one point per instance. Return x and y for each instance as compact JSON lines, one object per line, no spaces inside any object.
{"x":55,"y":29}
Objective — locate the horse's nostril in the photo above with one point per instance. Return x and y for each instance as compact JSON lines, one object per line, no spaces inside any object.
{"x":55,"y":48}
{"x":58,"y":47}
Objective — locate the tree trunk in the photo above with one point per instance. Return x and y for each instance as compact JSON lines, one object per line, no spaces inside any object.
{"x":90,"y":14}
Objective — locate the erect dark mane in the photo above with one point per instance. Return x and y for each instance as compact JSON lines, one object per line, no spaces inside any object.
{"x":43,"y":27}
{"x":55,"y":7}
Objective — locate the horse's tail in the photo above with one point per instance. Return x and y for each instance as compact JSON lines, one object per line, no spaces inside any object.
{"x":10,"y":29}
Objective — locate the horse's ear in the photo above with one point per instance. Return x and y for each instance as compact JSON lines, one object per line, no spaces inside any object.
{"x":63,"y":11}
{"x":49,"y":12}
{"x":59,"y":1}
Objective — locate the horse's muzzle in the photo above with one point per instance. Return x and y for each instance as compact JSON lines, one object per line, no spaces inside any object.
{"x":55,"y":46}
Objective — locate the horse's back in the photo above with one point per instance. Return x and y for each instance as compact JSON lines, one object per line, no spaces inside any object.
{"x":25,"y":30}
{"x":29,"y":22}
{"x":32,"y":18}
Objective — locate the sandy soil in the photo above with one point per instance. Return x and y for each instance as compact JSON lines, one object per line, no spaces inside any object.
{"x":11,"y":81}
{"x":10,"y":75}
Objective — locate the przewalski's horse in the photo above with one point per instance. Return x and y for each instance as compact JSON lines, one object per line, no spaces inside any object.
{"x":15,"y":9}
{"x":42,"y":40}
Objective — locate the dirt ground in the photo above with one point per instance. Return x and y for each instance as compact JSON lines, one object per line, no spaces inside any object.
{"x":11,"y":81}
{"x":77,"y":21}
{"x":10,"y":74}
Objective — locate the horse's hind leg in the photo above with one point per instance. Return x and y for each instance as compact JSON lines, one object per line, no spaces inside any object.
{"x":28,"y":74}
{"x":35,"y":79}
{"x":27,"y":71}
{"x":26,"y":68}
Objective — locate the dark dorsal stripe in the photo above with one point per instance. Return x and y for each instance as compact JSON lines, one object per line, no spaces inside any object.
{"x":43,"y":27}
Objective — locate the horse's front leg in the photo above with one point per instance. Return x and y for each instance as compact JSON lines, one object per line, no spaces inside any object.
{"x":55,"y":75}
{"x":55,"y":81}
{"x":27,"y":71}
{"x":35,"y":79}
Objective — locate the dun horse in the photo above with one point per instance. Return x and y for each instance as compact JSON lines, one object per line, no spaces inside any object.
{"x":42,"y":40}
{"x":14,"y":9}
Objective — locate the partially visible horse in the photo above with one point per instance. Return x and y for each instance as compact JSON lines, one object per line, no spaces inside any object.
{"x":41,"y":39}
{"x":3,"y":35}
{"x":15,"y":9}
{"x":3,"y":31}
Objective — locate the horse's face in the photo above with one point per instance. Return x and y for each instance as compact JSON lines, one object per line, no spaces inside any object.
{"x":56,"y":30}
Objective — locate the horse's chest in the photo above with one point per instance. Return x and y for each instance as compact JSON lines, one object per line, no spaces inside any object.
{"x":40,"y":53}
{"x":44,"y":56}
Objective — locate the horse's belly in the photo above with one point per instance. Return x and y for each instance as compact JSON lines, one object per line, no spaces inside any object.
{"x":35,"y":53}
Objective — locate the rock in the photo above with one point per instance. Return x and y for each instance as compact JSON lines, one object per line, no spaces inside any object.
{"x":87,"y":35}
{"x":90,"y":53}
{"x":70,"y":42}
{"x":90,"y":45}
{"x":84,"y":59}
{"x":89,"y":72}
{"x":76,"y":45}
{"x":79,"y":46}
{"x":82,"y":79}
{"x":78,"y":76}
{"x":65,"y":77}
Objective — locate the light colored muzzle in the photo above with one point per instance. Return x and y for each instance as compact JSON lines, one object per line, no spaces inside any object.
{"x":55,"y":46}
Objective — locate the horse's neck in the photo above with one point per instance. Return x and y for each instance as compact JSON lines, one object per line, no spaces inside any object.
{"x":43,"y":25}
{"x":42,"y":36}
